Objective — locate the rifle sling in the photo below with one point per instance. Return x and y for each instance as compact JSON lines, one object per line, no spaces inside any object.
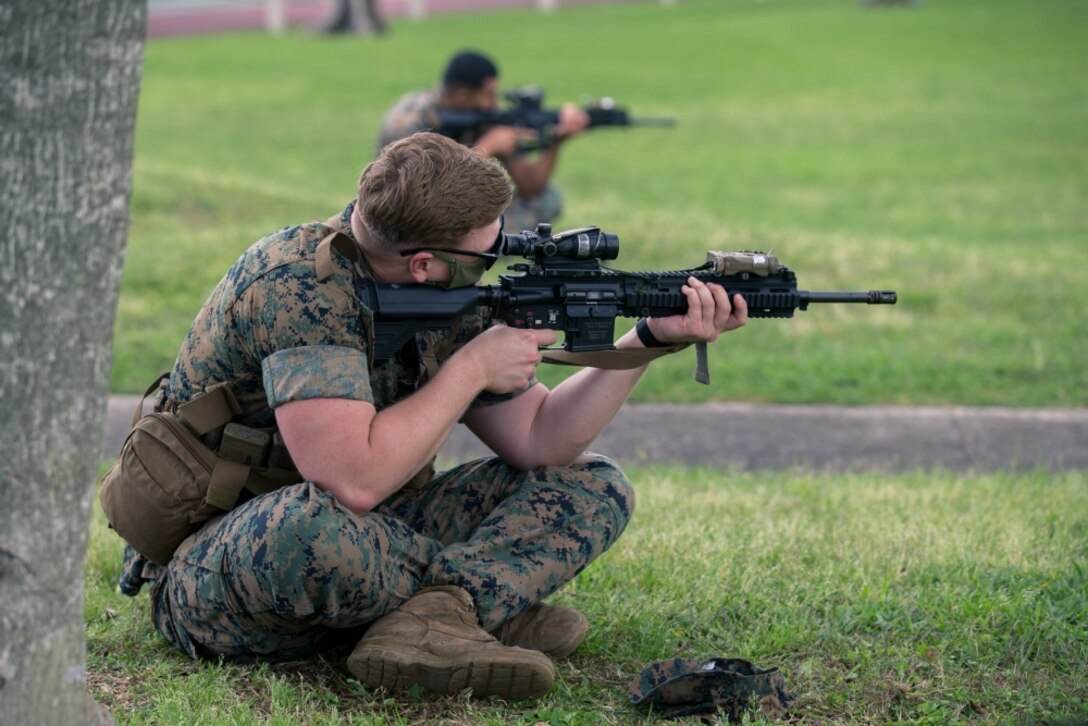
{"x":612,"y":359}
{"x":626,"y":359}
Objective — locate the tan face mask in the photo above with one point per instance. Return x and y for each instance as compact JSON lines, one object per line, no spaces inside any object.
{"x":462,"y":274}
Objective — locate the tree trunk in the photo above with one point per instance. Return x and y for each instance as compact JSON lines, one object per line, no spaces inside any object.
{"x":69,"y":80}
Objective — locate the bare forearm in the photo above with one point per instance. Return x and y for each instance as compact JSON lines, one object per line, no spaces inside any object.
{"x":553,"y":428}
{"x":531,"y":176}
{"x":573,"y":414}
{"x":362,"y":457}
{"x":411,"y":431}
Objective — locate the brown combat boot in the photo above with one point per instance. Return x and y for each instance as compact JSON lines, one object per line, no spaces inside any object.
{"x":554,"y":630}
{"x":435,"y":640}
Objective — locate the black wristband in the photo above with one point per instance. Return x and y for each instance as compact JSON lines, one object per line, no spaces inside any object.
{"x":647,"y":336}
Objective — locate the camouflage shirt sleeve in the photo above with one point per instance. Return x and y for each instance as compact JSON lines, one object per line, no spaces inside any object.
{"x":316,"y":371}
{"x":309,"y":336}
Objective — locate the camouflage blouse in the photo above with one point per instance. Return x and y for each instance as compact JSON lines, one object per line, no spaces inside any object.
{"x":277,"y":333}
{"x":414,"y":112}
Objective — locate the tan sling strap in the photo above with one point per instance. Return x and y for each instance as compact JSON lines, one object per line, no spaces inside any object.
{"x":612,"y":359}
{"x":627,"y":358}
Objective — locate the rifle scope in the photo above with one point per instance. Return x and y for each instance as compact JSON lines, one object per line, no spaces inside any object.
{"x":584,"y":243}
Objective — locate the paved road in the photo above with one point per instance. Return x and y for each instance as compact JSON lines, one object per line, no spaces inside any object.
{"x":820,"y":438}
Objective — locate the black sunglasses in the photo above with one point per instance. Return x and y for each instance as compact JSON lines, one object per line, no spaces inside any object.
{"x":491,"y":255}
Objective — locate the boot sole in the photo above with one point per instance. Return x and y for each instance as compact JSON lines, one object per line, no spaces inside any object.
{"x":506,"y":675}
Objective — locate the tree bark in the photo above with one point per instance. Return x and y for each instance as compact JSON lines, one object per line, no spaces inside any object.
{"x":69,"y":81}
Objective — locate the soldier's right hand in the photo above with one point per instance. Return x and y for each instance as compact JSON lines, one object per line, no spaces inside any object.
{"x":508,"y":357}
{"x":503,"y":140}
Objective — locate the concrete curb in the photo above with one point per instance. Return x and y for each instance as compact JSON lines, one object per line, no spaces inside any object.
{"x":752,"y":437}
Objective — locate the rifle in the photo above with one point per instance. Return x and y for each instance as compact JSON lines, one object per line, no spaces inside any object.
{"x":527,"y":112}
{"x":563,"y":287}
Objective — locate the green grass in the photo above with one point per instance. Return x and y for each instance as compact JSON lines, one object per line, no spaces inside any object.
{"x":918,"y":598}
{"x":940,"y":151}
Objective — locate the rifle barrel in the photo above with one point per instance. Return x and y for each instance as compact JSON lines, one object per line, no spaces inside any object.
{"x":869,"y":297}
{"x":652,"y":121}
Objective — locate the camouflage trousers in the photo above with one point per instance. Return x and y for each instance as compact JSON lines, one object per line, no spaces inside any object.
{"x":524,"y":213}
{"x":292,"y":572}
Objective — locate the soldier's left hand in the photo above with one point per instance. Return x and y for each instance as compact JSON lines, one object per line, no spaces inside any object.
{"x":710,"y":313}
{"x":572,"y":120}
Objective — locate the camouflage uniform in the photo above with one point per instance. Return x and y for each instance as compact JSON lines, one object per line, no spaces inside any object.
{"x":292,"y":572}
{"x":418,"y":111}
{"x":729,"y":687}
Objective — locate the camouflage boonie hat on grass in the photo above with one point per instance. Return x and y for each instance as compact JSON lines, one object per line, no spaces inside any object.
{"x":727,"y":686}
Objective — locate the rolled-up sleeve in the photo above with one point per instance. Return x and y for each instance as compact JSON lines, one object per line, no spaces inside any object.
{"x":316,"y":371}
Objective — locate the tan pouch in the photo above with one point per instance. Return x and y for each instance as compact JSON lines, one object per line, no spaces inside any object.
{"x":157,"y":492}
{"x":167,"y":482}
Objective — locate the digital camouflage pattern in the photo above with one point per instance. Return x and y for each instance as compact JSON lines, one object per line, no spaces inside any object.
{"x":292,"y":572}
{"x":727,"y":686}
{"x":278,"y":334}
{"x":418,"y":111}
{"x":414,"y":112}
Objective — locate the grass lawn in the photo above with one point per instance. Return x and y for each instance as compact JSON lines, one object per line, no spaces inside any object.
{"x":939,"y":150}
{"x":921,"y":599}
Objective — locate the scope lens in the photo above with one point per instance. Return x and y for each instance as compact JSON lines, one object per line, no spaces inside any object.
{"x":608,"y":246}
{"x":584,"y":244}
{"x":516,"y":245}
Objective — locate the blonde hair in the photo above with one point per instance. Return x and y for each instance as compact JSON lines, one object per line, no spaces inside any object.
{"x":427,"y":189}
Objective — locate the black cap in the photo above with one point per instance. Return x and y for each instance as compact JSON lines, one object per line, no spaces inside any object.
{"x":469,"y":69}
